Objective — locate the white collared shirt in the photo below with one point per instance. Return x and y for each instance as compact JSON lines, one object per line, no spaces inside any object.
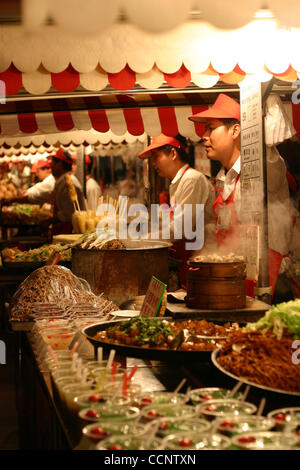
{"x":179,"y":173}
{"x":227,"y":181}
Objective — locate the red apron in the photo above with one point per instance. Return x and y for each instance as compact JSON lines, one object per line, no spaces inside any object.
{"x":178,"y":251}
{"x":230,"y":235}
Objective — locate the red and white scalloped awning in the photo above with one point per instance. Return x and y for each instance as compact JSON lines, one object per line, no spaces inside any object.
{"x":124,"y":56}
{"x":120,"y":114}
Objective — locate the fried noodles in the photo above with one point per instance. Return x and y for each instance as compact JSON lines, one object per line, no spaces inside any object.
{"x":262,"y":359}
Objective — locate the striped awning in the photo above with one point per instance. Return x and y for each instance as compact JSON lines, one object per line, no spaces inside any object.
{"x":136,"y":115}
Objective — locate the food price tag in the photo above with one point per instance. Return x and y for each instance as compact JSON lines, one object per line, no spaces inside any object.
{"x":153,"y":298}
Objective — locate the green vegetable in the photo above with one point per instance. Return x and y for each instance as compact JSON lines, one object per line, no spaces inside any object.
{"x":281,"y":317}
{"x":149,"y":330}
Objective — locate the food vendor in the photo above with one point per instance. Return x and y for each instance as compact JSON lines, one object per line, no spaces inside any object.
{"x":222,"y":141}
{"x":188,"y":187}
{"x":93,"y":190}
{"x":40,"y":193}
{"x":57,"y":194}
{"x":63,"y":207}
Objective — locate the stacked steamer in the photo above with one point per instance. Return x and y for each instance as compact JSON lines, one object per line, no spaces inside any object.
{"x":216,"y":282}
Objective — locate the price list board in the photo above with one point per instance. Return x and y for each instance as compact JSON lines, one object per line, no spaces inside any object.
{"x":253,"y":198}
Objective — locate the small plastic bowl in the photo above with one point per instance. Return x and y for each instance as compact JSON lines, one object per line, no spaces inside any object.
{"x":265,"y":441}
{"x":58,"y":338}
{"x":286,"y":418}
{"x":167,"y":426}
{"x":153,"y":412}
{"x":196,"y":441}
{"x":98,"y":400}
{"x":232,"y":425}
{"x":121,"y":413}
{"x":199,"y":395}
{"x":103,"y":430}
{"x":159,"y":398}
{"x":129,"y":443}
{"x":212,"y":409}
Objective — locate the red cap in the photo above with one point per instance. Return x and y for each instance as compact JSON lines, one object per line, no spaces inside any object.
{"x":223,"y":108}
{"x":63,"y":155}
{"x":160,"y":141}
{"x":42,"y":164}
{"x":33,"y":168}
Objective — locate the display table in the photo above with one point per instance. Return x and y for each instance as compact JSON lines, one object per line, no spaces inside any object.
{"x":44,"y":425}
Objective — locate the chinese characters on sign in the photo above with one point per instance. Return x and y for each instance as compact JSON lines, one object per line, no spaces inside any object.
{"x":153,"y":298}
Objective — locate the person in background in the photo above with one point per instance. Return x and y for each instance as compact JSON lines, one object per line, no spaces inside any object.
{"x":57,"y":193}
{"x":188,"y":187}
{"x":63,"y":207}
{"x":93,"y":190}
{"x":222,"y":141}
{"x":39,"y":193}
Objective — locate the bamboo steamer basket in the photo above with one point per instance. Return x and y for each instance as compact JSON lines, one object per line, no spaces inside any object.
{"x":218,"y":286}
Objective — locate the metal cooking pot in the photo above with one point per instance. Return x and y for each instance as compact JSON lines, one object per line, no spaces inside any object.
{"x":122,"y":274}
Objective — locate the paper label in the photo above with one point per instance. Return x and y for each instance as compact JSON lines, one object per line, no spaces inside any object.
{"x":153,"y":298}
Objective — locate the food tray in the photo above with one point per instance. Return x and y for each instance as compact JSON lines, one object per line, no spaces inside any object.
{"x":214,"y":359}
{"x":167,"y":355}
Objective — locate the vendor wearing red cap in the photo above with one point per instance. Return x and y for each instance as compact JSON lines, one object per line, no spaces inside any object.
{"x":56,"y":193}
{"x":93,"y":190}
{"x":61,"y":164}
{"x":188,"y":186}
{"x":223,"y":143}
{"x":39,"y":193}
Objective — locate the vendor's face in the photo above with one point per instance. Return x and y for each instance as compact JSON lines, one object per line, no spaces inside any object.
{"x":42,"y":173}
{"x":218,"y":140}
{"x":161,"y":162}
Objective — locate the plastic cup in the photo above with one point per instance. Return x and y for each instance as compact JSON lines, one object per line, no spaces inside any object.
{"x":232,"y":425}
{"x":199,"y":395}
{"x":196,"y":441}
{"x":71,"y":391}
{"x":103,"y":430}
{"x":112,"y":413}
{"x":265,"y":441}
{"x":169,"y":426}
{"x":212,"y":409}
{"x":157,"y":398}
{"x":129,"y":443}
{"x":153,"y":412}
{"x":58,"y":338}
{"x":286,"y":418}
{"x":97,"y":400}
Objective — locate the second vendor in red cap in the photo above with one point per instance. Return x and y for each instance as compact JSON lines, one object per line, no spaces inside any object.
{"x":188,"y":188}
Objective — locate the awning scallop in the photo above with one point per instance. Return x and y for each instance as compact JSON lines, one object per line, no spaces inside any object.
{"x":124,"y":56}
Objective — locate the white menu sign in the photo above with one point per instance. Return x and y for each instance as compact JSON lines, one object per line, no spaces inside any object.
{"x":252,"y":187}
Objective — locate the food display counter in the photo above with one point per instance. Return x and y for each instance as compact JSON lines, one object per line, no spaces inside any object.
{"x":87,"y":372}
{"x":47,"y":425}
